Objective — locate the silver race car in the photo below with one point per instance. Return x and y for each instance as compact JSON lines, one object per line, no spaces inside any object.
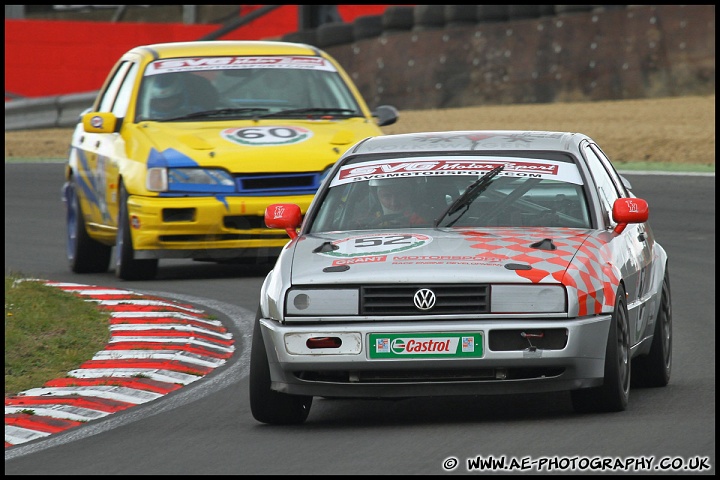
{"x":464,"y":263}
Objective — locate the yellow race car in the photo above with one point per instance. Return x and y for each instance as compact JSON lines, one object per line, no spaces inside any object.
{"x":188,"y":143}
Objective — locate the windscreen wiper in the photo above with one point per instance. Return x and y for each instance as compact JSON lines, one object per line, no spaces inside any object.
{"x":469,"y":195}
{"x":312,"y":111}
{"x":219,"y":112}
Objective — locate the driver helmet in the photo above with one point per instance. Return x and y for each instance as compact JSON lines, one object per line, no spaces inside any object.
{"x":165,"y":86}
{"x":165,"y":95}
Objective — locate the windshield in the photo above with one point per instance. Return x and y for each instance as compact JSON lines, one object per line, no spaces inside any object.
{"x":444,"y":193}
{"x":243,"y":87}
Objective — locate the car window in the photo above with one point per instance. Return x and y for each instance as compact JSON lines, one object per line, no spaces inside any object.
{"x":527,"y":193}
{"x":607,"y":190}
{"x":124,"y":95}
{"x":242,"y":87}
{"x":108,"y":96}
{"x":610,"y":169}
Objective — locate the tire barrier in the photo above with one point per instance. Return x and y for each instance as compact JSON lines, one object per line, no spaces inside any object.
{"x":368,"y":26}
{"x":398,"y":18}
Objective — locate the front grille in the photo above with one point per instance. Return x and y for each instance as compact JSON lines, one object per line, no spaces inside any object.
{"x":279,"y":184}
{"x":243,"y":222}
{"x":450,"y":299}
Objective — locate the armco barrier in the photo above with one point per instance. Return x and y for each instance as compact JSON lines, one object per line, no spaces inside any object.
{"x":59,"y":111}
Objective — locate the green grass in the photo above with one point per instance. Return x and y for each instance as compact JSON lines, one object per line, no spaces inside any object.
{"x":664,"y":167}
{"x":48,"y":332}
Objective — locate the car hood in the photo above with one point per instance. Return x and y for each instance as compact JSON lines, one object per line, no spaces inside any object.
{"x":538,"y":255}
{"x":276,"y":145}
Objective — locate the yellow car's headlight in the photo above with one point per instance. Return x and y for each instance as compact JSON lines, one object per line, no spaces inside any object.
{"x":199,"y":180}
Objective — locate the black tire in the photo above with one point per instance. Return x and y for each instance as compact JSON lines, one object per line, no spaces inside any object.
{"x":654,"y":369}
{"x":398,"y":18}
{"x":614,"y":393}
{"x":522,"y":12}
{"x":84,"y":254}
{"x":428,"y":17}
{"x":460,"y":15}
{"x":367,"y":26}
{"x":492,"y":13}
{"x":570,"y":9}
{"x":126,"y":266}
{"x":334,"y":33}
{"x":267,"y":405}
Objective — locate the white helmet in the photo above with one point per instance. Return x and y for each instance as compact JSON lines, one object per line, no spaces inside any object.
{"x":165,"y":86}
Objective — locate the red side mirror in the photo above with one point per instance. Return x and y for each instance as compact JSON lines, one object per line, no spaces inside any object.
{"x":629,"y":210}
{"x":284,"y":215}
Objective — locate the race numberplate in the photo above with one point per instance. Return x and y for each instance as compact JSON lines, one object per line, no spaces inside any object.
{"x":426,"y":345}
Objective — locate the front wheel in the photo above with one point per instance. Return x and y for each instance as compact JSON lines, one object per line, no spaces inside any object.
{"x":267,"y":405}
{"x":614,"y":393}
{"x":126,"y":266}
{"x":84,"y":254}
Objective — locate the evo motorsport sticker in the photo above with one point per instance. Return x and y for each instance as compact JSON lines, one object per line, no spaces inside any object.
{"x":402,"y":168}
{"x":376,"y":245}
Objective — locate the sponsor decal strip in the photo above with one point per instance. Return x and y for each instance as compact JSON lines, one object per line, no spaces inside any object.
{"x":425,"y":345}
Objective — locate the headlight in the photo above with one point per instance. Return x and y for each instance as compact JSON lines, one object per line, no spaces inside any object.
{"x":307,"y":302}
{"x":198,"y":180}
{"x":528,"y":299}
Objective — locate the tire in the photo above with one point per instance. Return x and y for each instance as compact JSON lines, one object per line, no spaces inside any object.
{"x":428,"y":17}
{"x":335,"y":33}
{"x":267,"y":405}
{"x":614,"y":393}
{"x":398,"y":18}
{"x":367,"y":26}
{"x":126,"y":266}
{"x":653,"y":370}
{"x":84,"y":254}
{"x":492,"y":13}
{"x":460,"y":15}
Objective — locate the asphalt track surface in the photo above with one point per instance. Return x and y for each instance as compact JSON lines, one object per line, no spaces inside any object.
{"x":206,"y":427}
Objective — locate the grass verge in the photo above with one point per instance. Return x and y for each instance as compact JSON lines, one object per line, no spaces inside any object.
{"x":48,"y":332}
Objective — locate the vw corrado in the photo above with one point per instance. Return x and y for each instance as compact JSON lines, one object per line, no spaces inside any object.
{"x":453,"y":263}
{"x":187,"y":143}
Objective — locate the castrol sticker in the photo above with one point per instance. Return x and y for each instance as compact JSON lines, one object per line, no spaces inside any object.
{"x":424,"y":345}
{"x":267,"y":136}
{"x":377,"y":245}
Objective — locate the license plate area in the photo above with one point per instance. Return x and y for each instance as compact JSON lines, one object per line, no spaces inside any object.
{"x":425,"y":345}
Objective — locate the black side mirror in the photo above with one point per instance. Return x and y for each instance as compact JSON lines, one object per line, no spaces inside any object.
{"x":386,"y":115}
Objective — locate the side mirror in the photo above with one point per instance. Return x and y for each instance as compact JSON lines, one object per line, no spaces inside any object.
{"x":629,"y":210}
{"x":386,"y":115}
{"x":99,"y":122}
{"x":284,"y":215}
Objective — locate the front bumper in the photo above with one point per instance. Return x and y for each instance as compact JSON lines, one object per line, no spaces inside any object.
{"x":213,"y":227}
{"x":348,"y":371}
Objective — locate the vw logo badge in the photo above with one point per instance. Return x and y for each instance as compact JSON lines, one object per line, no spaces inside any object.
{"x":424,"y":299}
